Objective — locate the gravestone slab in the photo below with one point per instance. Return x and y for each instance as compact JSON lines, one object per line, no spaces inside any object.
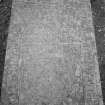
{"x":51,"y":56}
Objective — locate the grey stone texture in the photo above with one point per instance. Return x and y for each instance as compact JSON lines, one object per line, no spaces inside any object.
{"x":51,"y":56}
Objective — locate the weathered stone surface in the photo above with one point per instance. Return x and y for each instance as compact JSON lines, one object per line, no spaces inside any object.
{"x":51,"y":54}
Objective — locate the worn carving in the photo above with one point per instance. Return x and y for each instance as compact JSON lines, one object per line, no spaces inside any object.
{"x":51,"y":54}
